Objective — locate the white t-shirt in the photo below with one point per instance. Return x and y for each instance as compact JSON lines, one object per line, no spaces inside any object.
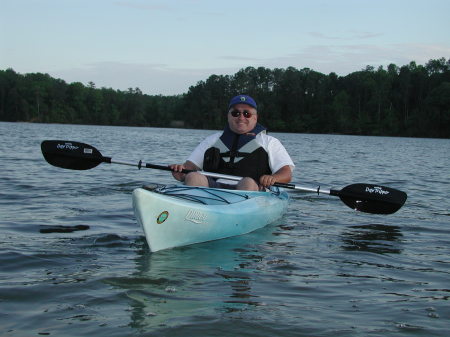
{"x":278,"y":156}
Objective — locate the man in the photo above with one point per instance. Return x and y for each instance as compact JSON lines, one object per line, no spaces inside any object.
{"x":242,"y":149}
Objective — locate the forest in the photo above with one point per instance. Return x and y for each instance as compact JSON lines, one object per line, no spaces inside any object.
{"x":410,"y":100}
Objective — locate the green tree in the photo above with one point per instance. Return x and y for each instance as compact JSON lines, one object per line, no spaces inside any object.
{"x":411,"y":100}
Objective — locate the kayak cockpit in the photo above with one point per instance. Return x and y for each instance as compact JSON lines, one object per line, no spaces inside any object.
{"x":201,"y":195}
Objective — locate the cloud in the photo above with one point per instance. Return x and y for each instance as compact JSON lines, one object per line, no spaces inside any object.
{"x":152,"y":79}
{"x":349,"y":35}
{"x":240,"y":58}
{"x":319,"y":35}
{"x":166,"y":79}
{"x":344,"y":59}
{"x":141,"y":6}
{"x":366,"y":35}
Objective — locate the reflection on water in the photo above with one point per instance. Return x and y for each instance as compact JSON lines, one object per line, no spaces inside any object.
{"x":167,"y":287}
{"x":374,"y":238}
{"x":174,"y":285}
{"x":241,"y":291}
{"x":75,"y":263}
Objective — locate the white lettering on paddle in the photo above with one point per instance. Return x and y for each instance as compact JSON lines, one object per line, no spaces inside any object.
{"x":195,"y":216}
{"x":376,"y":190}
{"x":66,"y":146}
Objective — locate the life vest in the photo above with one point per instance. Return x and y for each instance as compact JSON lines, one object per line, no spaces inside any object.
{"x":238,"y":155}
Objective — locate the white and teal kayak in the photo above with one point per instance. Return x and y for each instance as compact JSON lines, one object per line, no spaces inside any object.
{"x":175,"y":215}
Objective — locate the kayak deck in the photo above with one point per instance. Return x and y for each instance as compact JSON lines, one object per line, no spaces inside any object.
{"x":206,"y":196}
{"x":179,"y":215}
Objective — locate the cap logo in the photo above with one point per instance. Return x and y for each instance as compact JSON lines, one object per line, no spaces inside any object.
{"x":242,"y":99}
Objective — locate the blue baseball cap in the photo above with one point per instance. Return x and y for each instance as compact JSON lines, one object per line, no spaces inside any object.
{"x":242,"y":99}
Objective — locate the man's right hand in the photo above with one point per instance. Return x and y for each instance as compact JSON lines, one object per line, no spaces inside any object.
{"x":176,"y":171}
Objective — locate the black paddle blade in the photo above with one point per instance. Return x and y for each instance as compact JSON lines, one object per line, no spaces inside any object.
{"x":374,"y":199}
{"x":71,"y":155}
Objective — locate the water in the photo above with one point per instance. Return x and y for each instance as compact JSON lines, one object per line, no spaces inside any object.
{"x":73,"y":261}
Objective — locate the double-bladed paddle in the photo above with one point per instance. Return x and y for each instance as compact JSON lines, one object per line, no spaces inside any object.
{"x":361,"y":197}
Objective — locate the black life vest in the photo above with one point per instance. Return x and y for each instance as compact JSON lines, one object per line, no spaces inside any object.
{"x":238,"y":155}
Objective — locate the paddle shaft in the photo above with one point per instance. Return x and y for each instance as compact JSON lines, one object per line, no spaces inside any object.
{"x":362,"y":197}
{"x":141,"y":164}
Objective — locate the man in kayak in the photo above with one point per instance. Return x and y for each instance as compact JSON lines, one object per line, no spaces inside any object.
{"x":243,"y":149}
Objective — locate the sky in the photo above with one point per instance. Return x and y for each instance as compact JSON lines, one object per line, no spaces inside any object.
{"x":166,"y":46}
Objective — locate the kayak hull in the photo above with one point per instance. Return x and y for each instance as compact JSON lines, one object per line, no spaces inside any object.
{"x":173,"y":216}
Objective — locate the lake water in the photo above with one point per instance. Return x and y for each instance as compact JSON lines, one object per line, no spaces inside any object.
{"x":74,"y":262}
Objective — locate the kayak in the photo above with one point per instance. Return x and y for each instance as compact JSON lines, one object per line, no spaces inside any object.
{"x":178,"y":215}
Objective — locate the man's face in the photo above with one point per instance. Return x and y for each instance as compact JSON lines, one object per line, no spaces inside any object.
{"x":242,"y":124}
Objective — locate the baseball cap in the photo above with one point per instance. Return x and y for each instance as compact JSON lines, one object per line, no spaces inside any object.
{"x":242,"y":99}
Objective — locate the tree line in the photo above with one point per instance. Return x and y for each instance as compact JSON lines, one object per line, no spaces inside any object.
{"x":411,"y":100}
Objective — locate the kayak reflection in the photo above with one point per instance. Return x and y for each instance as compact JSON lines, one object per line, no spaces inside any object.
{"x":374,"y":238}
{"x":169,"y":287}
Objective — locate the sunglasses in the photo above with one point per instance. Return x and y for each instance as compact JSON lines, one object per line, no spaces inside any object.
{"x":237,"y":113}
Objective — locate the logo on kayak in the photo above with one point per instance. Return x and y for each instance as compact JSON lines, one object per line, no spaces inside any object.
{"x":162,"y":217}
{"x":195,"y":216}
{"x":376,"y":190}
{"x":66,"y":146}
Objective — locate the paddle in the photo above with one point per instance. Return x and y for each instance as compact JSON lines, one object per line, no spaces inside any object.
{"x":362,"y":197}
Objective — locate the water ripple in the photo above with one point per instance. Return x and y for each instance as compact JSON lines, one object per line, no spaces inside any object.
{"x":75,"y":262}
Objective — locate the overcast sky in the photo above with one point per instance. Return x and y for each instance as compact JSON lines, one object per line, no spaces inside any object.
{"x":165,"y":46}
